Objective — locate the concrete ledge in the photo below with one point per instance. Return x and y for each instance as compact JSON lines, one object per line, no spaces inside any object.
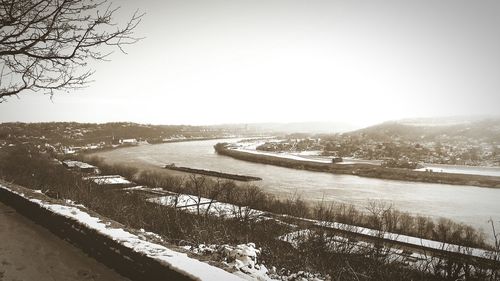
{"x":114,"y":253}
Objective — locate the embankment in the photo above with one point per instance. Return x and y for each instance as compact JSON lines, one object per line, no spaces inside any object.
{"x":363,"y":170}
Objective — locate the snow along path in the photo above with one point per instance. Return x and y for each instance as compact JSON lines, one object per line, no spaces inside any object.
{"x":28,"y":251}
{"x":179,"y":262}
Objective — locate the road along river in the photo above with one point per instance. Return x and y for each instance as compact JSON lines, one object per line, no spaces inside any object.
{"x":468,"y":204}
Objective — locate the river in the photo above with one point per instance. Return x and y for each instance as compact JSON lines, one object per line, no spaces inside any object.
{"x":468,"y":204}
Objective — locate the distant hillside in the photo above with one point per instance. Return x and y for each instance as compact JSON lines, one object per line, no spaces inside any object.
{"x":444,"y":121}
{"x":481,"y":130}
{"x":83,"y":133}
{"x":293,"y":127}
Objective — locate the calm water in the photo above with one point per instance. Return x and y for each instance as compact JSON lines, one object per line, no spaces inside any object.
{"x":468,"y":204}
{"x":484,"y":171}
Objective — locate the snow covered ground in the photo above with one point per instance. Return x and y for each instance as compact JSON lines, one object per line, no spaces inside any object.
{"x":244,"y":259}
{"x":280,"y":155}
{"x":180,"y":201}
{"x":194,"y":204}
{"x":144,"y":188}
{"x":109,"y":180}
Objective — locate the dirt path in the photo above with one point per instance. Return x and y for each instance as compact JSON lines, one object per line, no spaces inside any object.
{"x":30,"y":252}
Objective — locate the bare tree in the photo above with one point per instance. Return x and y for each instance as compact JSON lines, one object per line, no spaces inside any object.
{"x":46,"y":45}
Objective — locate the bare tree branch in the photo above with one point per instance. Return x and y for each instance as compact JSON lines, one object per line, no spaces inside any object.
{"x":46,"y":45}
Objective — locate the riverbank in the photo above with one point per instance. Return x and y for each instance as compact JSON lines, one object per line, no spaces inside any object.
{"x":362,"y":170}
{"x":462,"y":169}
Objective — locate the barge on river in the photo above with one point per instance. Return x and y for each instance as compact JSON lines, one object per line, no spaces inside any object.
{"x":212,"y":173}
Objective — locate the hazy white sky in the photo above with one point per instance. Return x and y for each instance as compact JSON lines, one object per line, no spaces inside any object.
{"x":233,"y":61}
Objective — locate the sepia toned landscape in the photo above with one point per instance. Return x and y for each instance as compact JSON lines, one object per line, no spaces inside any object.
{"x":249,"y":140}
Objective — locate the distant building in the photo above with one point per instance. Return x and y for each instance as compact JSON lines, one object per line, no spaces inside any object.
{"x":69,"y":164}
{"x":81,"y":167}
{"x":69,"y":151}
{"x":337,"y":159}
{"x":110,"y":181}
{"x":129,"y":141}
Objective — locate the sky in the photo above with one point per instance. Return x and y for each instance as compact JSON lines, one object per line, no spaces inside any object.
{"x":248,"y":61}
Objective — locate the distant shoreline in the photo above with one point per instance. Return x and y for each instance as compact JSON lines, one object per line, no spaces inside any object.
{"x":363,"y":170}
{"x":105,"y":149}
{"x":358,"y":169}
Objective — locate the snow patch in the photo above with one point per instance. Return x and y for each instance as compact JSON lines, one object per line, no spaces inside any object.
{"x":244,"y":259}
{"x":194,"y":204}
{"x":252,"y":150}
{"x":109,"y":180}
